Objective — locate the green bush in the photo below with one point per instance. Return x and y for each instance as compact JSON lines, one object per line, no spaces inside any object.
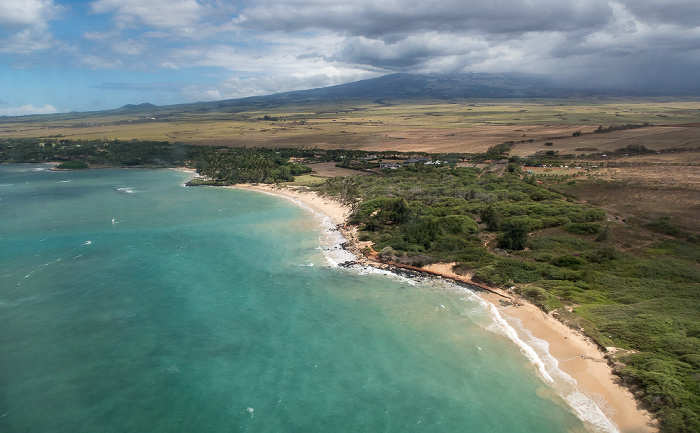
{"x":601,"y":255}
{"x":665,"y":226}
{"x":515,"y":232}
{"x":538,"y":296}
{"x":583,"y":228}
{"x":457,"y":225}
{"x":72,"y":165}
{"x":568,"y":261}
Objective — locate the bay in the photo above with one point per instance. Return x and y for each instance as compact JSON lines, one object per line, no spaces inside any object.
{"x":131,"y":303}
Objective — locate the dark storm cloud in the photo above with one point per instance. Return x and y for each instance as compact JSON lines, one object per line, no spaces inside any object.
{"x":684,"y":13}
{"x":601,"y":41}
{"x":387,"y":19}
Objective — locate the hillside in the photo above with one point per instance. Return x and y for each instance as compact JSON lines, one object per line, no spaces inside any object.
{"x":391,"y":87}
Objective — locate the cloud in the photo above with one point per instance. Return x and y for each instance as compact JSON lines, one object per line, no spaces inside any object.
{"x":24,"y":25}
{"x":154,"y":13}
{"x":236,"y":87}
{"x":96,"y":62}
{"x":386,"y":19}
{"x":414,"y":52}
{"x":129,"y":47}
{"x":227,"y":49}
{"x":141,"y":87}
{"x":296,"y":38}
{"x":26,"y":110}
{"x":20,"y":14}
{"x":684,"y":13}
{"x":596,"y":41}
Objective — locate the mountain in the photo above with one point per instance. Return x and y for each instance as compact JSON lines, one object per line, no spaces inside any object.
{"x":402,"y":86}
{"x":439,"y":86}
{"x":381,"y":89}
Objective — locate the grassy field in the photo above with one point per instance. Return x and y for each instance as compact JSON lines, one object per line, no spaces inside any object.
{"x":432,"y":126}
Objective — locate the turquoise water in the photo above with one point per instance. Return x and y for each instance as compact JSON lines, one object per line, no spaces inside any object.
{"x":129,"y":303}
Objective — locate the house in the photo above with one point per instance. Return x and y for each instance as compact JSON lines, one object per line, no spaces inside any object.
{"x":389,"y":166}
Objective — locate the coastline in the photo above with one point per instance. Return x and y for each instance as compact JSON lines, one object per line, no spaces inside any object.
{"x":575,"y":354}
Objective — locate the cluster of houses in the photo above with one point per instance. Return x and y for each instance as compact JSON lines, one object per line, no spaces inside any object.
{"x":426,"y":161}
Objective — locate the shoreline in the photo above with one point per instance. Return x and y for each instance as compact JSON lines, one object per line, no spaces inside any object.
{"x":575,"y":354}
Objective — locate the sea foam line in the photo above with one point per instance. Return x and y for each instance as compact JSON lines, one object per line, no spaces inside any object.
{"x":536,"y":350}
{"x":331,"y":239}
{"x":547,"y":366}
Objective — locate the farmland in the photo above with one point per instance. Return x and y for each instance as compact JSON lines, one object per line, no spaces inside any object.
{"x":420,"y":125}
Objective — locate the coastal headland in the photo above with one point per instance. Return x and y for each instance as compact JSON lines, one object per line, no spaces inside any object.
{"x":577,"y":355}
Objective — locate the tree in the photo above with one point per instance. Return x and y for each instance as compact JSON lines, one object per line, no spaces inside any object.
{"x":515,"y":232}
{"x":492,"y":218}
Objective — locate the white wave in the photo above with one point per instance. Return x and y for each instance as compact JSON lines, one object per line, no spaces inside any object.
{"x":125,"y":190}
{"x":537,"y":352}
{"x":331,"y":239}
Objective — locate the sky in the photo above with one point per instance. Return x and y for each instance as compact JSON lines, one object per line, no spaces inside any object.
{"x":72,"y":55}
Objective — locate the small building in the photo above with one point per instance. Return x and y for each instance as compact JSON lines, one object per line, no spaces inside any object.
{"x":389,"y":166}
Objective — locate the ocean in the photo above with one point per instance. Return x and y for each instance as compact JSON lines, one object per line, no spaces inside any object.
{"x":130,"y":303}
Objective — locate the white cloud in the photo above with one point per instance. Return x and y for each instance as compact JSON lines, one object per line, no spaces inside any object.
{"x":129,"y":47}
{"x":196,"y":93}
{"x":27,"y":41}
{"x":26,"y":110}
{"x":236,"y":87}
{"x":101,"y":36}
{"x":18,"y":14}
{"x":95,"y":62}
{"x":24,"y":25}
{"x":155,"y":13}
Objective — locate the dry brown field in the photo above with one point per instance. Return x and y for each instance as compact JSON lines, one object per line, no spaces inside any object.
{"x":431,"y":126}
{"x":646,"y":187}
{"x":654,"y":138}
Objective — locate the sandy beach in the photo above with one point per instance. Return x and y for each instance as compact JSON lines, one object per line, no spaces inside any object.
{"x":577,"y":355}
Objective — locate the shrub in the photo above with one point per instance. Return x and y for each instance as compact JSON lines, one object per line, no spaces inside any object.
{"x":604,"y":254}
{"x":538,"y":296}
{"x":665,"y":226}
{"x":568,"y":261}
{"x":515,"y":232}
{"x":72,"y":165}
{"x":387,"y":253}
{"x":543,"y":257}
{"x":457,"y":225}
{"x":583,"y":228}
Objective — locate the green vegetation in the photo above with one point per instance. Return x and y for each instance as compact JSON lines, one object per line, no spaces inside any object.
{"x":507,"y":227}
{"x":510,"y":231}
{"x":242,"y":165}
{"x":82,"y":153}
{"x":72,"y":165}
{"x":221,"y":166}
